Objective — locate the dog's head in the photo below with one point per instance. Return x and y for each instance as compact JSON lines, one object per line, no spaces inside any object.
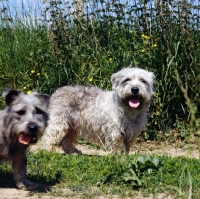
{"x":135,"y":86}
{"x":27,"y":115}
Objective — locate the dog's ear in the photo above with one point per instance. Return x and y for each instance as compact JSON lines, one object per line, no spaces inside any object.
{"x":115,"y":80}
{"x":45,"y":98}
{"x":6,"y":91}
{"x":10,"y":95}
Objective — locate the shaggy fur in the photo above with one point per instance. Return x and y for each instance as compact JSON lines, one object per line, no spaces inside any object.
{"x":114,"y":118}
{"x":22,"y":122}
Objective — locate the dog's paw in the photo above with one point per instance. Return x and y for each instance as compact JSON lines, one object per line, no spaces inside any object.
{"x":72,"y":150}
{"x":26,"y":185}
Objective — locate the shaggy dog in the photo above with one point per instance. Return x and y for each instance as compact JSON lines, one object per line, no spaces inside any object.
{"x":22,"y":122}
{"x":114,"y":118}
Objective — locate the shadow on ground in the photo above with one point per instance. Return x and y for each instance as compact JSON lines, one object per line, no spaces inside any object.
{"x":7,"y":181}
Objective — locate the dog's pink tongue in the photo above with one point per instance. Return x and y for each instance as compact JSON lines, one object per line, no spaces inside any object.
{"x":24,"y":139}
{"x":134,"y":103}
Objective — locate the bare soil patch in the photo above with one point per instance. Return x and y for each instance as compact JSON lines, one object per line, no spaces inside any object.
{"x":190,"y":151}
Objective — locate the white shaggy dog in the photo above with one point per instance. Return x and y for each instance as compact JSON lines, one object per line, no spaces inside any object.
{"x":114,"y":118}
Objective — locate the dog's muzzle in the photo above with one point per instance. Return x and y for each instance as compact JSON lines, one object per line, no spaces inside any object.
{"x":30,"y":136}
{"x":32,"y":128}
{"x":134,"y":90}
{"x":134,"y":100}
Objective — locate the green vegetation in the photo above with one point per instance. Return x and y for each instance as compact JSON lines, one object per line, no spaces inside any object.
{"x":112,"y":175}
{"x":66,"y":48}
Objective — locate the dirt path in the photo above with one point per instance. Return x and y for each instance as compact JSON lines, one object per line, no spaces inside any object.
{"x":190,"y":151}
{"x":150,"y":148}
{"x":144,"y":148}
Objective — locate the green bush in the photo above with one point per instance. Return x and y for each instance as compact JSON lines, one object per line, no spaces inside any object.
{"x":87,"y":47}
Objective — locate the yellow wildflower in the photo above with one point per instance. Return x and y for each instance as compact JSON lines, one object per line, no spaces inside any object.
{"x":90,"y":79}
{"x":155,"y":45}
{"x":38,"y":74}
{"x":29,"y":92}
{"x":146,"y":37}
{"x":131,"y":31}
{"x":110,"y":59}
{"x":142,"y":50}
{"x":24,"y":87}
{"x":32,"y":71}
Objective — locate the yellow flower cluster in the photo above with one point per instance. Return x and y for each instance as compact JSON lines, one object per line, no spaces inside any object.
{"x":33,"y":71}
{"x":28,"y":92}
{"x":145,"y":37}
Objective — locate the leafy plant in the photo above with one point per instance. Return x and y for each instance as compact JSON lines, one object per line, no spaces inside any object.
{"x":136,"y":169}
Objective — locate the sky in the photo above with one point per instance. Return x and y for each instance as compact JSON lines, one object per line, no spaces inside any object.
{"x":38,"y":5}
{"x":21,"y":6}
{"x":34,"y":8}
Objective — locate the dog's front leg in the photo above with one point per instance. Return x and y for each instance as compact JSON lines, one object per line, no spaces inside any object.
{"x":19,"y":169}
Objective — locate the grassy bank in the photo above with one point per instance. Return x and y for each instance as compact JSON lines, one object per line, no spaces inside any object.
{"x":62,"y":49}
{"x":122,"y":175}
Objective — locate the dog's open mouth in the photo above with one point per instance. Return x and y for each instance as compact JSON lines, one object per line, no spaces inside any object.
{"x":134,"y":102}
{"x":27,"y":139}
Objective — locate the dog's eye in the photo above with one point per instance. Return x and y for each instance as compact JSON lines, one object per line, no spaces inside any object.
{"x":22,"y":112}
{"x":126,"y":80}
{"x":143,"y":81}
{"x":39,"y":111}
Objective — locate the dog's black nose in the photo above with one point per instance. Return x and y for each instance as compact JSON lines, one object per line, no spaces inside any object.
{"x":135,"y":90}
{"x":33,"y":128}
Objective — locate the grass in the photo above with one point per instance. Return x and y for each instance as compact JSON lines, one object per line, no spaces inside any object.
{"x":57,"y":50}
{"x":110,"y":175}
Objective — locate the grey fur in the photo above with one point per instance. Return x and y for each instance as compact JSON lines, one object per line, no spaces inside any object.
{"x":22,"y":122}
{"x":106,"y":117}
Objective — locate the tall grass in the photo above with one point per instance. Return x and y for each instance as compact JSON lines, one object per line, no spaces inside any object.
{"x":68,"y":46}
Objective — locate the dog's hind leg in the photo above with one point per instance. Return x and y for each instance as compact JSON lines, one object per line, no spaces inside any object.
{"x":68,"y":140}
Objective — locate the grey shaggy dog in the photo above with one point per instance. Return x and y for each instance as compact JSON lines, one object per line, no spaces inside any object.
{"x":114,"y":118}
{"x":22,"y":123}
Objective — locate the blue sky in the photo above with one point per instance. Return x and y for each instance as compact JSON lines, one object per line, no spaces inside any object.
{"x":34,"y":7}
{"x":20,"y":6}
